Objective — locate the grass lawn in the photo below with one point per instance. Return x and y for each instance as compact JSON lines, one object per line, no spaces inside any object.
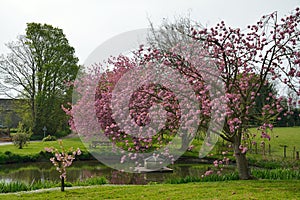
{"x":289,"y":136}
{"x":281,"y":136}
{"x":261,"y":189}
{"x":36,"y":147}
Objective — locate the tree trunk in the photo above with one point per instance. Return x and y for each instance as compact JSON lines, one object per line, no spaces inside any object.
{"x":241,"y":160}
{"x":62,"y":184}
{"x":20,"y":145}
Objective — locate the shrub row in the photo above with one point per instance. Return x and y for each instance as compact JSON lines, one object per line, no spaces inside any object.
{"x":9,"y":157}
{"x":277,"y":174}
{"x":274,"y":174}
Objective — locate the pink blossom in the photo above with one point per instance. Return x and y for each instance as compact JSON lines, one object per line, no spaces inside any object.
{"x":209,"y":172}
{"x":216,"y":163}
{"x":62,"y":159}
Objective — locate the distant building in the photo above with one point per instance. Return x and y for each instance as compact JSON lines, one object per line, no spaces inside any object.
{"x":8,"y":112}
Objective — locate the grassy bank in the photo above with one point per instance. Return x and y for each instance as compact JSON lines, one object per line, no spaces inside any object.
{"x":289,"y":136}
{"x":262,"y":189}
{"x":35,"y":151}
{"x":281,"y":136}
{"x":35,"y":147}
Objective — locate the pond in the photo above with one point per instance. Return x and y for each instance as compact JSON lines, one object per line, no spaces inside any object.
{"x":81,"y":170}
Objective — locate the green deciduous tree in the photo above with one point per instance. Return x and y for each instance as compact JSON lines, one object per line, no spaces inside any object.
{"x":39,"y":67}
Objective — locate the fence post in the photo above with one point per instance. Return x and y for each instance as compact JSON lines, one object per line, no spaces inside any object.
{"x":297,"y":155}
{"x":269,"y":149}
{"x":284,"y":151}
{"x":294,"y":152}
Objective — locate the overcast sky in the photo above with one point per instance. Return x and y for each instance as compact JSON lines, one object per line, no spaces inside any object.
{"x":88,"y":23}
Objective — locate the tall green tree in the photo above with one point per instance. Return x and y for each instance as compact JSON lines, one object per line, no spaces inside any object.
{"x":39,"y":67}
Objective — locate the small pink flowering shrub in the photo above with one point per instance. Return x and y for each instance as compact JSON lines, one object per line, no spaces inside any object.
{"x":218,"y":166}
{"x":62,"y":159}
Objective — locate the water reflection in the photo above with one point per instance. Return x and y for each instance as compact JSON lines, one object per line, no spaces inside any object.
{"x":86,"y":169}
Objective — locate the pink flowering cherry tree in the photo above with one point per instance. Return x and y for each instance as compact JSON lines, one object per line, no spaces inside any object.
{"x":62,"y":159}
{"x":249,"y":59}
{"x":244,"y":61}
{"x":163,"y":114}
